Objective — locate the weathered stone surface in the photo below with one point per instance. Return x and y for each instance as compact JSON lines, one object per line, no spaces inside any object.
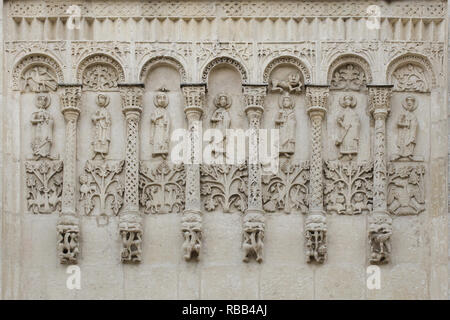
{"x":94,"y":108}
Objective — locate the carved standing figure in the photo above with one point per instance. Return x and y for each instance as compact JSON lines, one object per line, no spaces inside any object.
{"x":42,"y":122}
{"x":350,"y":124}
{"x":407,"y":126}
{"x":102,"y":129}
{"x":286,"y":123}
{"x":221,"y":120}
{"x":159,"y":135}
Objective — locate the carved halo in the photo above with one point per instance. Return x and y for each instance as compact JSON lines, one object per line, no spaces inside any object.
{"x":32,"y":60}
{"x":162,"y":60}
{"x":354,"y":100}
{"x":287,"y":60}
{"x":218,"y":96}
{"x":414,"y":60}
{"x":413,"y":107}
{"x":353,"y":60}
{"x":100,"y":59}
{"x":224,"y":61}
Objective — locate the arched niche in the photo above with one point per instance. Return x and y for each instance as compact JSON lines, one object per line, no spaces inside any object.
{"x":228,"y":62}
{"x":286,"y":76}
{"x":350,"y":73}
{"x":161,"y":75}
{"x":411,"y":73}
{"x":37,"y":73}
{"x":100,"y":72}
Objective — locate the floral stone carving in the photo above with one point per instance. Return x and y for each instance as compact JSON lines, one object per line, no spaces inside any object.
{"x":288,"y":189}
{"x":101,"y":182}
{"x":349,"y":77}
{"x":410,"y":77}
{"x":44,"y":184}
{"x":406,"y":189}
{"x":348,"y":187}
{"x":224,"y":185}
{"x":162,"y":188}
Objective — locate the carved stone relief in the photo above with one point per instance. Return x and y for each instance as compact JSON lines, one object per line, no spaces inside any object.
{"x":410,"y":77}
{"x":39,"y":79}
{"x":160,"y":125}
{"x":224,"y":186}
{"x":287,"y":190}
{"x":348,"y":77}
{"x":162,"y":187}
{"x":102,"y":127}
{"x":406,"y":189}
{"x":349,"y":123}
{"x":348,"y":187}
{"x":221,"y":121}
{"x":43,"y":123}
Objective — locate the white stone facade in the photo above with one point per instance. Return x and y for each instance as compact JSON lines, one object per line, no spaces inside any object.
{"x":92,"y":92}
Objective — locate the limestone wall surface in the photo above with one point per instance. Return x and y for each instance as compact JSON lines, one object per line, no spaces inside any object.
{"x":94,"y":92}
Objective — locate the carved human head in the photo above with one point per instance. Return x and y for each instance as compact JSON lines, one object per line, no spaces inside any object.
{"x":286,"y":102}
{"x":161,"y":99}
{"x":347,"y":101}
{"x":410,"y":103}
{"x":294,"y":77}
{"x":222,"y":100}
{"x":102,"y":100}
{"x":42,"y":100}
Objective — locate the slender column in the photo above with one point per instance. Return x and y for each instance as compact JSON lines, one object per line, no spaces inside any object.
{"x":130,"y":220}
{"x":68,"y":223}
{"x":191,"y":222}
{"x":380,"y":223}
{"x":254,"y":222}
{"x":315,"y":225}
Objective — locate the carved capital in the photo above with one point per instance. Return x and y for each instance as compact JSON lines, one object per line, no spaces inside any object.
{"x":379,"y":100}
{"x":317,"y":100}
{"x":131,"y":94}
{"x":254,"y":95}
{"x":70,"y":100}
{"x":194,"y":99}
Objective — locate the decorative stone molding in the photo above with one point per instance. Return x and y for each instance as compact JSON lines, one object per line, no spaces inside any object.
{"x":99,"y":72}
{"x":253,"y":221}
{"x":287,"y":60}
{"x":411,"y":73}
{"x":130,"y":220}
{"x":224,"y":61}
{"x":349,"y":72}
{"x":380,"y":223}
{"x":37,"y":73}
{"x":191,"y":221}
{"x":315,"y":225}
{"x":68,"y":223}
{"x":162,"y":60}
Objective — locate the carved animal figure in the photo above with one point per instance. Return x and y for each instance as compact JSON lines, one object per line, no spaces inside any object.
{"x":292,"y":84}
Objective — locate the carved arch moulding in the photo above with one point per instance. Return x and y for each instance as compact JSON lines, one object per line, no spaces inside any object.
{"x":37,"y":73}
{"x":225,"y":61}
{"x":411,"y":73}
{"x":287,"y":61}
{"x":161,"y":61}
{"x":100,"y":72}
{"x":349,"y":72}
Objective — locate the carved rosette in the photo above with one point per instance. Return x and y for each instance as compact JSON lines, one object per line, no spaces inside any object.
{"x":68,"y":223}
{"x":380,"y":223}
{"x":130,"y":220}
{"x":254,"y":222}
{"x":191,"y":221}
{"x":315,"y":225}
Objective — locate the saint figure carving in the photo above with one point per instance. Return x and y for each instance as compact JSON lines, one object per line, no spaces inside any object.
{"x":407,"y":126}
{"x":348,"y":121}
{"x":221,"y":120}
{"x":102,"y":129}
{"x":159,"y":135}
{"x":42,"y":122}
{"x":286,"y":124}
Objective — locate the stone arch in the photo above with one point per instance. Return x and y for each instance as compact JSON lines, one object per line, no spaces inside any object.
{"x":411,"y":72}
{"x":111,"y":70}
{"x":224,"y":61}
{"x":287,"y":60}
{"x":48,"y":65}
{"x":162,"y":60}
{"x":349,"y":72}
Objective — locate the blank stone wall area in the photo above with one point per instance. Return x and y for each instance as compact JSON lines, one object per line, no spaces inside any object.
{"x":111,"y":168}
